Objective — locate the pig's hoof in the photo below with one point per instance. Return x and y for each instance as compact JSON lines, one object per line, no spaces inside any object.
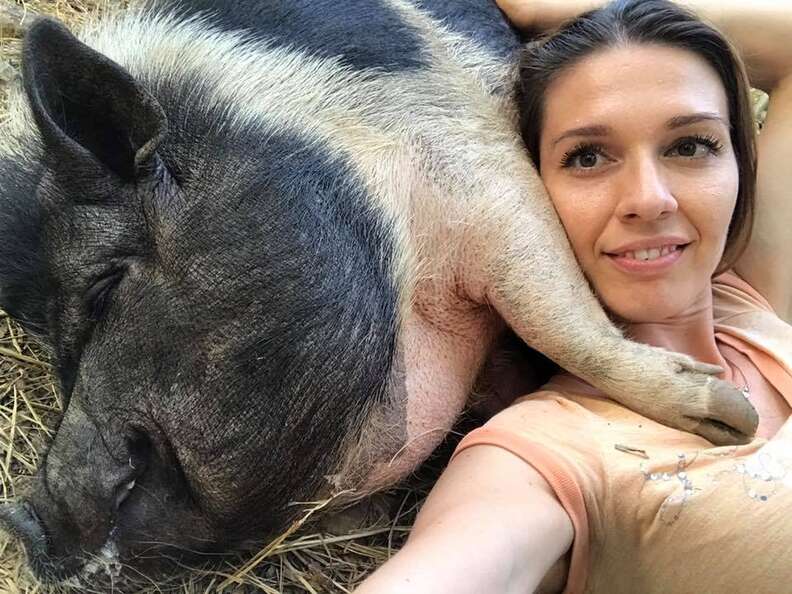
{"x":375,"y":510}
{"x":725,"y":415}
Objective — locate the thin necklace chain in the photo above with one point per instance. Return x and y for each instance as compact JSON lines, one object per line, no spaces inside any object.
{"x":746,"y":389}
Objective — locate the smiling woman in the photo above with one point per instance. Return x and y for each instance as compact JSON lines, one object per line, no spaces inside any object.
{"x":637,"y":114}
{"x":647,"y":187}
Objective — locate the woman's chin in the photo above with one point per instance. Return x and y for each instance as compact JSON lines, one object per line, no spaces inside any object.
{"x":656,"y":305}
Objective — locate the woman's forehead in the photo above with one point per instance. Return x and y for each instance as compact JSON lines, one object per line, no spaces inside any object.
{"x":649,"y":84}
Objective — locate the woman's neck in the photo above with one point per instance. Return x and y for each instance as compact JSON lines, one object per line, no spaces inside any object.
{"x":691,"y":332}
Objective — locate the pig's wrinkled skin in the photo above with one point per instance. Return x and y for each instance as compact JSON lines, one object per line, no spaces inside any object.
{"x":270,"y":248}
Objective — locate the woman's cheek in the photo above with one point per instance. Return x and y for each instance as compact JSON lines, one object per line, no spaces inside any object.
{"x":710,"y":205}
{"x":583,"y":217}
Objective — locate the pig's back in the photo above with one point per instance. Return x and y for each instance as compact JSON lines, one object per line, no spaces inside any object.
{"x":481,"y":21}
{"x":363,"y":33}
{"x":379,"y":34}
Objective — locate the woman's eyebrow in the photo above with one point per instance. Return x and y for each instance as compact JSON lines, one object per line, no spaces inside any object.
{"x":584,"y":131}
{"x":672,"y":124}
{"x":685,"y":120}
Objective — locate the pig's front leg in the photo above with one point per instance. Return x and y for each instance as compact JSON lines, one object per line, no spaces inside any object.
{"x":534,"y":281}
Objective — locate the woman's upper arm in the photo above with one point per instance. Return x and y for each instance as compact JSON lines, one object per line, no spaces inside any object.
{"x":528,"y":516}
{"x":490,"y":524}
{"x":765,"y":264}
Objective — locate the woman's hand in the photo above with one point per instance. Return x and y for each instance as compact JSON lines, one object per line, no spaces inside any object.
{"x":542,"y":15}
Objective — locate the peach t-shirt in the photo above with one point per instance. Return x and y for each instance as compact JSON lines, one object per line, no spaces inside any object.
{"x":657,"y":510}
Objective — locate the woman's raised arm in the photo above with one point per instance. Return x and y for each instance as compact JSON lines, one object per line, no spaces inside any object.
{"x":760,"y":30}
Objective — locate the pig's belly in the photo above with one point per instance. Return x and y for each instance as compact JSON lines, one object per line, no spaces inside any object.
{"x":440,"y":356}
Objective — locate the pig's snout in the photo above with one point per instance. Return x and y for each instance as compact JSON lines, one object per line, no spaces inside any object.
{"x":71,"y":509}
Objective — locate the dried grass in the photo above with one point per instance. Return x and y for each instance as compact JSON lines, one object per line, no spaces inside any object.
{"x":302,"y":560}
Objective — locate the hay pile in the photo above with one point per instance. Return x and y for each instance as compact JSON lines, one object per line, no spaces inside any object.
{"x":304,"y":560}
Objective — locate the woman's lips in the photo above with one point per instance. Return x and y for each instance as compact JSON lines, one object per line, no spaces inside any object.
{"x":648,"y":261}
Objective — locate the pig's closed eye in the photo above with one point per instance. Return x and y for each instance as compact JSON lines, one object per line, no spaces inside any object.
{"x":99,"y":295}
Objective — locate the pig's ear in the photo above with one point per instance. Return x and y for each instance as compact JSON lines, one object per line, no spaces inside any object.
{"x":87,"y":107}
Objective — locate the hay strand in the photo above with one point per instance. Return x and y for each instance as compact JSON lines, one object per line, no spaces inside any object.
{"x":14,"y":18}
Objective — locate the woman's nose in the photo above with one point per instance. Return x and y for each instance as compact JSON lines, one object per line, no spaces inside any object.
{"x":645,"y":195}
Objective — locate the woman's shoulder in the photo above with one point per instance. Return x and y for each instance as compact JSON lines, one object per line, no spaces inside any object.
{"x":742,"y":313}
{"x":568,"y":413}
{"x":733,"y":294}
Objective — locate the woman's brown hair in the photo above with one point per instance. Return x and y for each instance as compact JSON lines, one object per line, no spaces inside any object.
{"x":660,"y":22}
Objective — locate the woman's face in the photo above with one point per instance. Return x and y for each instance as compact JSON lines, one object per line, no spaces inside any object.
{"x":637,"y":158}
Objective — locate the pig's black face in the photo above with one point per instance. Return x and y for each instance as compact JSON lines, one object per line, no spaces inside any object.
{"x":169,"y":435}
{"x":216,"y":347}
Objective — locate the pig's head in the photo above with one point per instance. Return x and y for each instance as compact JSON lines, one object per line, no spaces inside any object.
{"x":216,"y":298}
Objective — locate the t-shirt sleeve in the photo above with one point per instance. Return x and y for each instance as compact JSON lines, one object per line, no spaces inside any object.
{"x":746,"y":321}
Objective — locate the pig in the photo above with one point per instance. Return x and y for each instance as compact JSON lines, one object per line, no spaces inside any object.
{"x":270,"y":244}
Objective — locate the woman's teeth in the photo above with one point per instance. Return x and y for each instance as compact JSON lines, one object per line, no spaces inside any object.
{"x":650,"y":254}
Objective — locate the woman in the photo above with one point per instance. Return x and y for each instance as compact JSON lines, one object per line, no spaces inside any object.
{"x":637,"y":116}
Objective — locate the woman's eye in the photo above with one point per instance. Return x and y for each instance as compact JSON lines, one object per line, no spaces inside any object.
{"x":588,"y":159}
{"x":692,"y":148}
{"x":583,"y":157}
{"x":687,"y":149}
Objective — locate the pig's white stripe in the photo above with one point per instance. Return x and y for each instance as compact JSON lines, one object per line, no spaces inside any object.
{"x":457,"y":50}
